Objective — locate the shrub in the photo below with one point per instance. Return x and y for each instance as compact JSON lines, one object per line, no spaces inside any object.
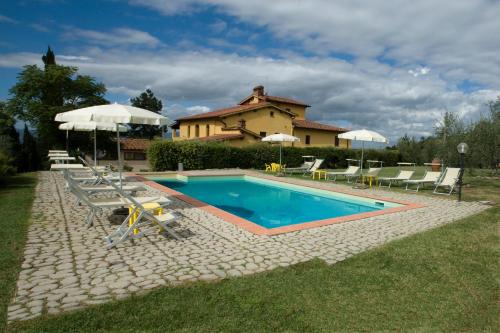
{"x":6,"y":168}
{"x":165,"y":155}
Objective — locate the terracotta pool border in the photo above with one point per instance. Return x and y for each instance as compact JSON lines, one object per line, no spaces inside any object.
{"x":259,"y":230}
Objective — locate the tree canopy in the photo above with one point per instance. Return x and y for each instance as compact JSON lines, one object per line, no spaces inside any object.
{"x":146,"y":100}
{"x":40,"y":94}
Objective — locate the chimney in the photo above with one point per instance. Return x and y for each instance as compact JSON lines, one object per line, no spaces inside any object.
{"x":258,"y":91}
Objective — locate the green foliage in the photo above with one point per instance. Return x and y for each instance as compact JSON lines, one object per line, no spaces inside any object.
{"x":165,"y":155}
{"x":482,"y":136}
{"x":30,"y":159}
{"x":40,"y":94}
{"x":9,"y":138}
{"x":147,"y":100}
{"x":6,"y":165}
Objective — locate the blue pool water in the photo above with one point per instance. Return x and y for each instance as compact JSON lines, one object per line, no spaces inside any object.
{"x":268,"y":203}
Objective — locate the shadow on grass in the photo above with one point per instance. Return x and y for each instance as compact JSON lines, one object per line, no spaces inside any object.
{"x":16,"y":198}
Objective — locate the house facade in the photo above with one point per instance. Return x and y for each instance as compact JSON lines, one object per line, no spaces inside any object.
{"x":255,"y":117}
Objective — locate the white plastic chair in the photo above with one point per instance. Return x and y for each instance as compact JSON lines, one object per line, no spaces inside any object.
{"x":448,"y":180}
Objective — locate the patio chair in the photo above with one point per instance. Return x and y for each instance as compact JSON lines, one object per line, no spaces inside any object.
{"x":372,"y":172}
{"x":301,"y":169}
{"x":141,"y":221}
{"x":430,"y":177}
{"x":98,"y":204}
{"x":316,"y":165}
{"x":403,"y":175}
{"x":350,"y":172}
{"x":448,"y":180}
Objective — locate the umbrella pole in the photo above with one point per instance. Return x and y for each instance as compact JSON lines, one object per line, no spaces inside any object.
{"x":95,"y":148}
{"x":362,"y":153}
{"x":281,"y":145}
{"x":67,"y":142}
{"x":119,"y":157}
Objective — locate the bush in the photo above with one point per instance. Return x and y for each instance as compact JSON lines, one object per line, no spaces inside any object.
{"x":6,"y":168}
{"x":165,"y":155}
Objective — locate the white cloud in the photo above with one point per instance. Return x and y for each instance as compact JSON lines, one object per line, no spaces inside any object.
{"x":218,"y":26}
{"x":116,"y":37}
{"x":7,"y":19}
{"x":453,"y":37}
{"x":419,"y":71}
{"x":197,"y":109}
{"x":360,"y":94}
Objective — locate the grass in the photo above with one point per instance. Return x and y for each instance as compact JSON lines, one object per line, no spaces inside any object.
{"x":445,"y":279}
{"x":16,"y":198}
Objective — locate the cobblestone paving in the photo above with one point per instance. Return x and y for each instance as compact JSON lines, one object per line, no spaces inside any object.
{"x":66,"y":265}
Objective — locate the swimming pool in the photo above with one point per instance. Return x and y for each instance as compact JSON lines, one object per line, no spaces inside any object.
{"x":272,"y":204}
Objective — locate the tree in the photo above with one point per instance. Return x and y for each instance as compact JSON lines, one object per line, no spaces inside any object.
{"x":147,"y":100}
{"x":29,"y":152}
{"x":40,"y":94}
{"x":9,"y":138}
{"x":450,"y":132}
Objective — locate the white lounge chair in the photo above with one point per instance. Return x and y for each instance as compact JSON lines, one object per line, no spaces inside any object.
{"x":350,"y":172}
{"x":316,"y":165}
{"x":98,"y":204}
{"x":430,"y":177}
{"x":402,"y":176}
{"x":67,"y":166}
{"x":301,"y":169}
{"x":448,"y":180}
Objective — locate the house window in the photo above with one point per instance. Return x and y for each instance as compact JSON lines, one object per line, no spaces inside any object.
{"x":242,"y":123}
{"x":208,"y":130}
{"x":189,"y":131}
{"x":262,"y":134}
{"x":337,"y":141}
{"x":197,"y":131}
{"x":308,"y":139}
{"x":134,"y":156}
{"x":271,"y":114}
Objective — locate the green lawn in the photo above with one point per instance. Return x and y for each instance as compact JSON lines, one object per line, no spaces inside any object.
{"x":16,"y":198}
{"x":442,"y":280}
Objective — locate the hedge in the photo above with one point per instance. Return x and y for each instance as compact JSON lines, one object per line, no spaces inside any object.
{"x":195,"y":155}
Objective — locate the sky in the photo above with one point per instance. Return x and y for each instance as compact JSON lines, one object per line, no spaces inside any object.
{"x":390,"y":66}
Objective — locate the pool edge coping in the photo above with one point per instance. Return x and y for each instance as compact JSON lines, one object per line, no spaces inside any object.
{"x":259,"y":230}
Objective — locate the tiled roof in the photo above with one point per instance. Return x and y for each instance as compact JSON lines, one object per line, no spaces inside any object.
{"x":135,"y":144}
{"x":224,"y":112}
{"x":231,"y":110}
{"x":221,"y":137}
{"x":318,"y":126}
{"x":278,"y":99}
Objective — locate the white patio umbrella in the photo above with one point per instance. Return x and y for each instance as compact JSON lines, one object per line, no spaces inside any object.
{"x":363,"y":136}
{"x":116,"y":114}
{"x":90,"y":126}
{"x":280,"y":137}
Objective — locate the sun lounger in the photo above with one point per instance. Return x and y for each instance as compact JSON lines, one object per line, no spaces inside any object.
{"x":430,"y":177}
{"x":316,"y":165}
{"x":66,"y":166}
{"x":448,"y":181}
{"x":141,"y":221}
{"x":98,"y":204}
{"x":108,"y":188}
{"x":301,"y":169}
{"x":62,"y":158}
{"x":350,"y":172}
{"x":402,"y":176}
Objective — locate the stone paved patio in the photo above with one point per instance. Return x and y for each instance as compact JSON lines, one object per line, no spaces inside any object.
{"x":66,"y":266}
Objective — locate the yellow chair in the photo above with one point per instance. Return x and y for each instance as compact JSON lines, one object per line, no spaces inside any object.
{"x":149,"y":206}
{"x":268,"y":168}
